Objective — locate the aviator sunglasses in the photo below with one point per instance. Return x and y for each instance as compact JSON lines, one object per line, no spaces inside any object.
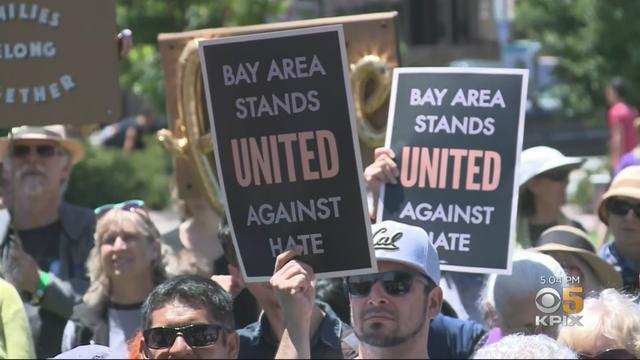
{"x":44,"y":150}
{"x":129,"y":205}
{"x":395,"y":283}
{"x":196,"y":335}
{"x":621,"y":207}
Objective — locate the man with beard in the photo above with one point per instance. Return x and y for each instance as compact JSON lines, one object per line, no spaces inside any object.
{"x":390,"y":310}
{"x":44,"y":252}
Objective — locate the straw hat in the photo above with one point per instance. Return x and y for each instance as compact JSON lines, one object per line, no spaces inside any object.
{"x":626,"y":183}
{"x":569,"y":239}
{"x":56,"y":133}
{"x":540,"y":159}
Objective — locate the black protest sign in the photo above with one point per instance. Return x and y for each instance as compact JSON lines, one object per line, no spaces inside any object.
{"x":285,"y":148}
{"x":457,"y":136}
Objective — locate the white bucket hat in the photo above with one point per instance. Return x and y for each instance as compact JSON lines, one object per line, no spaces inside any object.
{"x":540,"y":159}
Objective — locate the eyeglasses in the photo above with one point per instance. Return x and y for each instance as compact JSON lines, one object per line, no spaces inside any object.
{"x":44,"y":151}
{"x":129,"y":205}
{"x":556,"y":175}
{"x":609,"y":354}
{"x":395,"y":283}
{"x":621,"y":207}
{"x":196,"y":335}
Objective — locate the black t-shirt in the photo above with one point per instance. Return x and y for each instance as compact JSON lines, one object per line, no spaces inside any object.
{"x":43,"y":244}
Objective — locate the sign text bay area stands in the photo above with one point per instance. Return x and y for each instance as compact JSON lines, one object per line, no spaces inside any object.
{"x":283,"y":128}
{"x":457,"y":136}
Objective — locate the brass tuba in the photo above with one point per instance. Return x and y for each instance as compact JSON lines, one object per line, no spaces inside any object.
{"x":372,"y":51}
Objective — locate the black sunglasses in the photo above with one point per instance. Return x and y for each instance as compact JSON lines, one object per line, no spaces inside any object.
{"x":556,"y":175}
{"x":621,"y":207}
{"x":609,"y":354}
{"x":197,"y":335}
{"x":395,"y":283}
{"x":44,"y":151}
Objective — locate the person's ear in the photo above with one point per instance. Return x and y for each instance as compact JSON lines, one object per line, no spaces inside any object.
{"x":144,"y":352}
{"x":434,"y":303}
{"x":233,"y":345}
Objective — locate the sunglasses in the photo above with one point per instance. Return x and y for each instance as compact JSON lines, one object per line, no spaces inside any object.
{"x":44,"y":151}
{"x":395,"y":283}
{"x":621,"y":207}
{"x":129,"y":205}
{"x":609,"y":354}
{"x":556,"y":175}
{"x":197,"y":335}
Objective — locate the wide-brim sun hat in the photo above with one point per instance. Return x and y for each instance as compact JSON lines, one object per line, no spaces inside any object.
{"x":55,"y":133}
{"x":538,"y":160}
{"x":569,"y":239}
{"x":625,"y":184}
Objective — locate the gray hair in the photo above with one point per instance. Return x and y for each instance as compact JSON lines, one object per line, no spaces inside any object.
{"x":528,"y":270}
{"x":610,"y":314}
{"x":520,"y":346}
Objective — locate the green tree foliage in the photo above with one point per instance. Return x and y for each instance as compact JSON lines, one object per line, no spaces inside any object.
{"x":141,"y":71}
{"x":108,"y":175}
{"x":595,"y":40}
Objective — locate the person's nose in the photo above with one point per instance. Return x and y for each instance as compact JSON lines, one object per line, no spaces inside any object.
{"x":378,"y":295}
{"x":631,"y":216}
{"x":32,"y":156}
{"x":119,"y":244}
{"x":180,"y":348}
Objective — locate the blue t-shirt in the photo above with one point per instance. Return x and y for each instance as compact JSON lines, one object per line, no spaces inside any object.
{"x":256,"y":341}
{"x":451,"y":338}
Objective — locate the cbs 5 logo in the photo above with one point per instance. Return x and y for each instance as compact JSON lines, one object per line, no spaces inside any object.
{"x":548,"y":300}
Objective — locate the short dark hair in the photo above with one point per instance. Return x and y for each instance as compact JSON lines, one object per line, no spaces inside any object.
{"x":619,"y":86}
{"x":191,"y":290}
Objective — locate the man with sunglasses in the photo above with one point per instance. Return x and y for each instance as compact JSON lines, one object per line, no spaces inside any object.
{"x":390,"y":310}
{"x":619,"y":209}
{"x":44,"y":253}
{"x":188,"y":317}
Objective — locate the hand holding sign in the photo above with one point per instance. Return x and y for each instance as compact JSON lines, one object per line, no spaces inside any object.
{"x":294,"y":285}
{"x":383,"y":170}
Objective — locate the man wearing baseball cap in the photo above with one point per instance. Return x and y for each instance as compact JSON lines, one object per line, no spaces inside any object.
{"x":44,"y":253}
{"x":390,"y":310}
{"x":620,"y":210}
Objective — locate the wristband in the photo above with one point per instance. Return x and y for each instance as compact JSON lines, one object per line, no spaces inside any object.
{"x":44,"y":281}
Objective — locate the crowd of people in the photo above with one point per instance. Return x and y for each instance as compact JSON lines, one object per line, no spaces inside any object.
{"x":81,"y":283}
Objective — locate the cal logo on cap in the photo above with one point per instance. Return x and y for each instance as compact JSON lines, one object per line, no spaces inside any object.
{"x":386,"y":242}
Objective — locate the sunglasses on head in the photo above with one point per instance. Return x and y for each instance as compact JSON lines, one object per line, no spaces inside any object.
{"x":609,"y":354}
{"x":43,"y":150}
{"x":197,"y":335}
{"x":621,"y":208}
{"x":556,"y":175}
{"x":128,"y":205}
{"x":395,"y":283}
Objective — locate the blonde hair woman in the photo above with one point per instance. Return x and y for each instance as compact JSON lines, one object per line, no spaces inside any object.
{"x":610,"y":328}
{"x":127,"y":261}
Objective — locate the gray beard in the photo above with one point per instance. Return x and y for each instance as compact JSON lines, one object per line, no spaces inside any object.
{"x":33,"y":185}
{"x":394,"y":339}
